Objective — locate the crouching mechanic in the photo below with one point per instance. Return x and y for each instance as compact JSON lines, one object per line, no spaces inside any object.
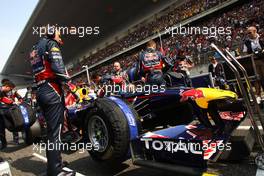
{"x":150,"y":65}
{"x":11,"y":97}
{"x":50,"y":75}
{"x":5,"y":101}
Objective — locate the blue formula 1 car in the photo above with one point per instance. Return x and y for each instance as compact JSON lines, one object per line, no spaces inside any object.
{"x":178,"y":128}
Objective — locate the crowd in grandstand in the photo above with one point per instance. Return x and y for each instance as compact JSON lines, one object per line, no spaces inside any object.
{"x":238,"y":18}
{"x":174,"y":16}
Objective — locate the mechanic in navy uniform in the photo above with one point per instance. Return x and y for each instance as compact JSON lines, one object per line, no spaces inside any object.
{"x":50,"y":76}
{"x":13,"y":95}
{"x":150,"y":65}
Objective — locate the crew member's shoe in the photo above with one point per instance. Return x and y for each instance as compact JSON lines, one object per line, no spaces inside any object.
{"x":65,"y":164}
{"x":15,"y":138}
{"x":67,"y":173}
{"x":258,"y":99}
{"x":3,"y":144}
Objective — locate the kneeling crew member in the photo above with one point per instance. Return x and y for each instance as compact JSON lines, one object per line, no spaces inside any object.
{"x":7,"y":86}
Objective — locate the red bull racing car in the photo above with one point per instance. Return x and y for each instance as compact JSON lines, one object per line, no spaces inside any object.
{"x":178,"y":129}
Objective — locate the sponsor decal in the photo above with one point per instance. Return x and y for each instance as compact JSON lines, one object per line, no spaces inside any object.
{"x":228,"y":115}
{"x":25,"y":114}
{"x":129,"y":116}
{"x":193,"y":94}
{"x":172,"y":146}
{"x":205,"y":148}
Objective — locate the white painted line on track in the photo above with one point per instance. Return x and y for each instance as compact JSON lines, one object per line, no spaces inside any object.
{"x":40,"y":157}
{"x":45,"y":160}
{"x":260,"y":172}
{"x":247,"y":127}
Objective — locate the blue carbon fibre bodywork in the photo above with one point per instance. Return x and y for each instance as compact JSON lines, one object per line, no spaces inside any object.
{"x":25,"y":115}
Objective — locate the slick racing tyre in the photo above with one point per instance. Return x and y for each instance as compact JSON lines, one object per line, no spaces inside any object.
{"x":108,"y":131}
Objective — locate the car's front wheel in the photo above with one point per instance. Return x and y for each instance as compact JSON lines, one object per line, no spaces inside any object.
{"x":108,"y":131}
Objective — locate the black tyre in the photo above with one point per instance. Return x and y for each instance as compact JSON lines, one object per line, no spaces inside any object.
{"x":108,"y":130}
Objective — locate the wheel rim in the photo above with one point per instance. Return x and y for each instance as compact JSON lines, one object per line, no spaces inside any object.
{"x":98,"y":133}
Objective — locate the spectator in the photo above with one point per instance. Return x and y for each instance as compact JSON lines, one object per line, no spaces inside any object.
{"x":255,"y":44}
{"x":217,"y":71}
{"x":194,"y":45}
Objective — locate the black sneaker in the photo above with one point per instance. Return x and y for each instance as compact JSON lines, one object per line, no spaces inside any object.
{"x":65,"y":164}
{"x":15,"y":138}
{"x":3,"y":144}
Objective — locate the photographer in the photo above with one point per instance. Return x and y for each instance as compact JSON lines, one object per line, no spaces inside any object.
{"x":254,"y":44}
{"x":183,"y":65}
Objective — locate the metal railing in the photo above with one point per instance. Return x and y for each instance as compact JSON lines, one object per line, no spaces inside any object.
{"x":247,"y":92}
